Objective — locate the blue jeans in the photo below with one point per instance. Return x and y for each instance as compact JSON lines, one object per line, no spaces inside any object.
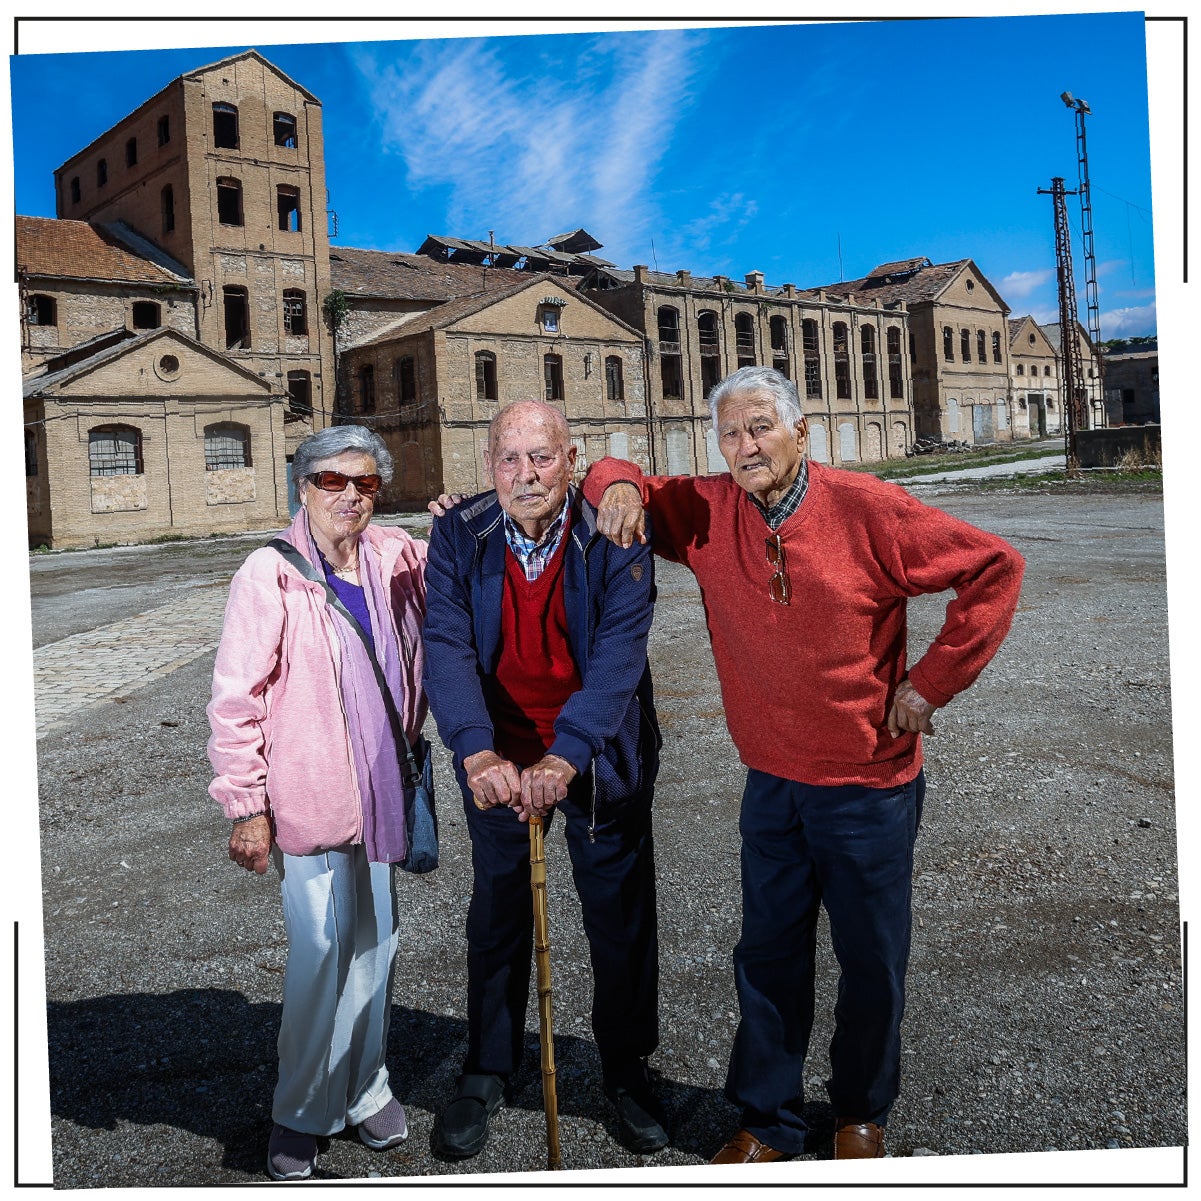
{"x":849,"y":848}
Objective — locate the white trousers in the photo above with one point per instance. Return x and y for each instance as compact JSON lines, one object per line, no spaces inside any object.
{"x":341,"y":919}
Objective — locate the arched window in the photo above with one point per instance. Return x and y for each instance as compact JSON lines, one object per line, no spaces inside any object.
{"x":166,"y":200}
{"x":75,"y":192}
{"x":965,"y":345}
{"x":867,"y":346}
{"x":996,"y":347}
{"x":404,"y":371}
{"x":229,"y":201}
{"x":225,"y":126}
{"x":41,"y":310}
{"x":146,"y":315}
{"x":485,"y":375}
{"x":296,"y":320}
{"x":615,"y":388}
{"x":669,"y":330}
{"x":842,"y":361}
{"x":980,"y":355}
{"x":164,"y":130}
{"x":284,"y":126}
{"x":709,"y":339}
{"x":101,"y":172}
{"x":811,"y":349}
{"x":948,"y":344}
{"x":1047,"y":370}
{"x":744,"y":339}
{"x":896,"y":379}
{"x":115,"y":450}
{"x":226,"y":446}
{"x":552,"y":376}
{"x":779,"y":335}
{"x":1021,"y":369}
{"x":367,"y":388}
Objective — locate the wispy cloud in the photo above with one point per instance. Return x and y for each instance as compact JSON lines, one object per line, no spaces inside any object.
{"x":1019,"y":284}
{"x":727,"y":215}
{"x":1128,"y":322}
{"x":533,"y":148}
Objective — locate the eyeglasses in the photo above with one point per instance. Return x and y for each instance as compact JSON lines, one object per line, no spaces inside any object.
{"x":779,"y":587}
{"x":335,"y":481}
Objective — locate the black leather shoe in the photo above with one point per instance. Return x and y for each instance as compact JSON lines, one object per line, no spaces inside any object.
{"x":462,"y":1130}
{"x":640,"y":1117}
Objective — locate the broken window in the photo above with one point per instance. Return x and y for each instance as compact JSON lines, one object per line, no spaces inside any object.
{"x":287,"y":203}
{"x":996,"y":347}
{"x":75,"y":192}
{"x":842,"y":361}
{"x":41,"y":310}
{"x":896,"y":381}
{"x":146,"y":315}
{"x":1022,"y":370}
{"x":980,"y":355}
{"x":672,"y":375}
{"x":552,"y":376}
{"x":115,"y":450}
{"x":131,"y":152}
{"x":948,"y":344}
{"x":367,"y":388}
{"x":485,"y":375}
{"x":744,"y":339}
{"x":167,"y":205}
{"x":229,"y":201}
{"x":405,"y":371}
{"x":295,"y":315}
{"x":709,"y":337}
{"x":237,"y":318}
{"x":965,"y":345}
{"x":867,"y":346}
{"x":811,"y":348}
{"x":31,"y":454}
{"x":615,"y":388}
{"x":779,"y":334}
{"x":101,"y":172}
{"x":225,"y":126}
{"x":164,"y":130}
{"x":284,"y":125}
{"x":669,"y":330}
{"x":300,"y":392}
{"x":226,"y":446}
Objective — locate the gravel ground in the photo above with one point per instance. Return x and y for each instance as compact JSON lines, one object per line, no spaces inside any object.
{"x":1045,"y":1007}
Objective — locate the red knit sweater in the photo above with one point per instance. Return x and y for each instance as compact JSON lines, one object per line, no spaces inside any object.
{"x":807,"y":687}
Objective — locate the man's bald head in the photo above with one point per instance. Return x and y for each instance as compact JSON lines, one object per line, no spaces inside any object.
{"x":531,"y":459}
{"x":534,"y":412}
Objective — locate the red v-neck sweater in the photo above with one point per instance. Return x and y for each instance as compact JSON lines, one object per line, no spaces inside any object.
{"x":807,"y":687}
{"x":536,"y":672}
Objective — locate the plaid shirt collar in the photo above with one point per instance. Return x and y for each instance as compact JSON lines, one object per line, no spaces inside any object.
{"x":788,"y":504}
{"x":534,"y":556}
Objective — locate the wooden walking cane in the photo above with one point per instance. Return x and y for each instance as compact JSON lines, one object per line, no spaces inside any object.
{"x":546,"y":1034}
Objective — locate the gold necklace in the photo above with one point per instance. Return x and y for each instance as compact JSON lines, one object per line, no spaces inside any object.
{"x":348,"y":570}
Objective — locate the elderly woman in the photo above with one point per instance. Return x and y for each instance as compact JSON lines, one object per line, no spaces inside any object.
{"x":307,"y":769}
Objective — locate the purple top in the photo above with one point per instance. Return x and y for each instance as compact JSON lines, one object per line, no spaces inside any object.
{"x":352,"y":596}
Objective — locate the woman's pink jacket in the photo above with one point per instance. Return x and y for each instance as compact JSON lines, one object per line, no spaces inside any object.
{"x":279,"y":739}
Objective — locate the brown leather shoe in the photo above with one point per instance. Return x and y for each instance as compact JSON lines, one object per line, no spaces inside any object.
{"x":858,"y":1140}
{"x":744,"y":1147}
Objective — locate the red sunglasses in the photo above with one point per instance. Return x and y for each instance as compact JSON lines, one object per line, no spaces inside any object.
{"x":335,"y":481}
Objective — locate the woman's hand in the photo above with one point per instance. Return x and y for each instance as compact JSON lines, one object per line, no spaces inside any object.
{"x":250,"y":844}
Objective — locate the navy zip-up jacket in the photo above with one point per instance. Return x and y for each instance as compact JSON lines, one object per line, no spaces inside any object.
{"x":609,"y":724}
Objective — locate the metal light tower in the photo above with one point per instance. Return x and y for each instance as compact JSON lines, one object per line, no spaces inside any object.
{"x":1081,"y":110}
{"x":1075,"y":411}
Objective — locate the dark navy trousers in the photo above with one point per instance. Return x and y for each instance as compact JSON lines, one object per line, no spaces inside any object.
{"x":850,"y":849}
{"x":614,"y":876}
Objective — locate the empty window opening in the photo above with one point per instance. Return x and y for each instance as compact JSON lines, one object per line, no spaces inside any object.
{"x":300,"y":392}
{"x":980,"y":355}
{"x":948,"y":344}
{"x":42,"y":310}
{"x":225,"y":126}
{"x":744,"y":339}
{"x":485,"y":375}
{"x":131,"y":152}
{"x":237,"y":318}
{"x":31,"y":454}
{"x":229,"y":201}
{"x":295,"y":313}
{"x":406,"y":379}
{"x":669,"y":330}
{"x":896,"y":381}
{"x":367,"y":388}
{"x":552,"y":376}
{"x":146,"y":315}
{"x":842,"y":361}
{"x":75,"y":191}
{"x":867,"y":345}
{"x":284,"y":125}
{"x":779,"y":335}
{"x":226,"y":446}
{"x":1022,"y":370}
{"x":115,"y":450}
{"x":996,"y":347}
{"x":811,"y":348}
{"x":164,"y":130}
{"x":965,"y":345}
{"x":287,"y":204}
{"x":672,"y":375}
{"x":615,"y":388}
{"x":101,"y":172}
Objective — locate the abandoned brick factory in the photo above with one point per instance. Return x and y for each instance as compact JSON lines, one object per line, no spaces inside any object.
{"x":186,"y":322}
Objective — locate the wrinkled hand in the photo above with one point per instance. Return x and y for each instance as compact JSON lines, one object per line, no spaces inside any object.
{"x":250,"y":844}
{"x":544,"y":785}
{"x":910,"y":711}
{"x":444,"y":503}
{"x":493,"y":781}
{"x":620,"y":516}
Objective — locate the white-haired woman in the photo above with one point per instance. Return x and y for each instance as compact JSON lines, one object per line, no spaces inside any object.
{"x":308,"y":770}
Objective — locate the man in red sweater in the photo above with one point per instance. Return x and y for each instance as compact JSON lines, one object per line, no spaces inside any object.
{"x":805,"y":572}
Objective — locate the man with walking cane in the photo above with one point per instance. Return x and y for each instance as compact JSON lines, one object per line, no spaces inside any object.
{"x":537,"y":677}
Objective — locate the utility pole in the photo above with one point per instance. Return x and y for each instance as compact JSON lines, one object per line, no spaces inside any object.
{"x":1075,"y":414}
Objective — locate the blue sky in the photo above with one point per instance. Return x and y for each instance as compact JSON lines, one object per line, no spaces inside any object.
{"x":719,"y":150}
